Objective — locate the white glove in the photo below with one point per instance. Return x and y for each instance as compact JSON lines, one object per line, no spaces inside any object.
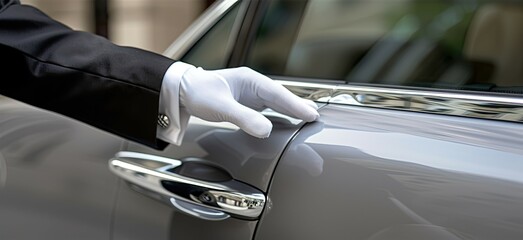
{"x":234,"y":95}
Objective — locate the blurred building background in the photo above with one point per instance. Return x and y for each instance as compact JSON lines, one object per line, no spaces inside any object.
{"x":147,"y":24}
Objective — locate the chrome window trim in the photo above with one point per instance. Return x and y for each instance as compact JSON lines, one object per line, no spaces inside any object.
{"x":313,"y":91}
{"x":197,"y":29}
{"x":505,"y":108}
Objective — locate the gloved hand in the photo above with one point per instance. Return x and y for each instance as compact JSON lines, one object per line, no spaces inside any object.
{"x":235,"y":95}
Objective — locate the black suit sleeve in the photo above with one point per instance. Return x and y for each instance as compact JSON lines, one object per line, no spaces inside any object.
{"x":78,"y":74}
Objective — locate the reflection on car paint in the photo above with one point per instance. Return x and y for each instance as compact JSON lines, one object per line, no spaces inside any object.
{"x":422,"y":229}
{"x":428,"y":152}
{"x":311,"y":162}
{"x":399,"y":175}
{"x":31,"y":130}
{"x":3,"y":171}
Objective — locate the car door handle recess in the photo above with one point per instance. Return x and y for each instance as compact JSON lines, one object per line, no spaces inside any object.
{"x":193,"y":187}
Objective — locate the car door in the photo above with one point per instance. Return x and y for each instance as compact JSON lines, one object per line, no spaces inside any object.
{"x":421,"y":137}
{"x":214,"y":184}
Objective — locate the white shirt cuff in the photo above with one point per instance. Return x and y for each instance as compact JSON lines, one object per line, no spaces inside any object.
{"x":170,"y":104}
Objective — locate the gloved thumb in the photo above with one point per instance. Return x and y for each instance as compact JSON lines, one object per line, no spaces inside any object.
{"x":250,"y":121}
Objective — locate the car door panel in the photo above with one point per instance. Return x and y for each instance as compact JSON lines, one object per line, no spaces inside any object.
{"x":386,"y":174}
{"x":140,"y":217}
{"x":247,"y":159}
{"x":55,"y":182}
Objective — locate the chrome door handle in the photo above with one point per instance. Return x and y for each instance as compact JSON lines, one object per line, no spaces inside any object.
{"x":214,"y":196}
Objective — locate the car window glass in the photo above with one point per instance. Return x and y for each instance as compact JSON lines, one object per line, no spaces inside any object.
{"x":212,"y":50}
{"x":470,"y":45}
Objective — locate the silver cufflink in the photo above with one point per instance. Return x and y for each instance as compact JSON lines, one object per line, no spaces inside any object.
{"x":163,"y":120}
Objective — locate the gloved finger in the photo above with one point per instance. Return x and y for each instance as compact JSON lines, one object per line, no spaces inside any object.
{"x":282,"y":100}
{"x":310,"y":103}
{"x":250,"y":121}
{"x":280,"y":109}
{"x":273,"y":94}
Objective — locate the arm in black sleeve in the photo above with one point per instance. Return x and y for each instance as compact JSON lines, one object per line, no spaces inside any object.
{"x":80,"y":75}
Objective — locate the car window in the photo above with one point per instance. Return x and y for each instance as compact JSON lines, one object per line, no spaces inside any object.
{"x":212,"y":50}
{"x":469,"y":45}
